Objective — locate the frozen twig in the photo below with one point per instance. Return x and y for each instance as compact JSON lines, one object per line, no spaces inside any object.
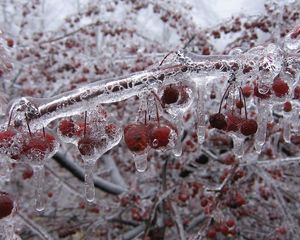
{"x":77,"y":171}
{"x":178,"y":221}
{"x":34,"y":227}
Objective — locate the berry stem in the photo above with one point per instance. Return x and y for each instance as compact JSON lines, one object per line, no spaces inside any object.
{"x":28,"y":127}
{"x":165,"y":57}
{"x":223,"y":97}
{"x":85,"y":117}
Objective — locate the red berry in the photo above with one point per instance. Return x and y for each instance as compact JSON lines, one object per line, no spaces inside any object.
{"x":136,"y":215}
{"x":27,"y":173}
{"x":67,"y":128}
{"x":111,"y":129}
{"x":239,"y":104}
{"x":38,"y":146}
{"x":249,"y":127}
{"x":261,"y":95}
{"x":159,"y":136}
{"x":297,"y":92}
{"x":233,"y":122}
{"x":6,"y":205}
{"x":230,"y":223}
{"x":287,"y":106}
{"x":247,"y":91}
{"x":136,"y":137}
{"x":6,"y":138}
{"x":204,"y":202}
{"x":87,"y":145}
{"x":295,"y":33}
{"x":224,"y":229}
{"x":211,"y":233}
{"x":170,"y":95}
{"x":10,"y":42}
{"x":218,"y":121}
{"x":280,"y":87}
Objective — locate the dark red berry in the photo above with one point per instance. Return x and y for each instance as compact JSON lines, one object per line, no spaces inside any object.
{"x":230,"y":223}
{"x":6,"y":205}
{"x":136,"y":137}
{"x":6,"y":138}
{"x":280,"y":87}
{"x":67,"y":128}
{"x":27,"y":173}
{"x":159,"y":136}
{"x":247,"y":91}
{"x":218,"y":121}
{"x":239,"y":104}
{"x":88,"y":145}
{"x":170,"y":95}
{"x":295,"y":33}
{"x":10,"y":42}
{"x":287,"y":106}
{"x":38,"y":146}
{"x":233,"y":122}
{"x":249,"y":127}
{"x":261,"y":95}
{"x":211,"y":233}
{"x":297,"y":92}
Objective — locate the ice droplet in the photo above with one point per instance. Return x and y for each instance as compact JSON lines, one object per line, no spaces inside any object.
{"x":38,"y":178}
{"x":155,"y":143}
{"x":89,"y":181}
{"x":140,"y":162}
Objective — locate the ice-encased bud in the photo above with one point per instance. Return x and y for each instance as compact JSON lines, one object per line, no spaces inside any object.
{"x":291,"y":42}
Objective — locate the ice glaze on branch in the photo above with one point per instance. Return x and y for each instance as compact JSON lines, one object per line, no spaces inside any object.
{"x":265,"y":62}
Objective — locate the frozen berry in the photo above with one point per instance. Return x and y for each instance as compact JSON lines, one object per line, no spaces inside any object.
{"x":6,"y":205}
{"x":170,"y":95}
{"x":159,"y":136}
{"x":233,"y":122}
{"x":296,"y":33}
{"x":249,"y":127}
{"x":247,"y":91}
{"x":239,"y":104}
{"x":27,"y":173}
{"x":136,"y":137}
{"x":218,"y":121}
{"x":88,"y":145}
{"x":10,"y":42}
{"x":211,"y":233}
{"x":280,"y":87}
{"x":6,"y":138}
{"x":287,"y":106}
{"x":261,"y":95}
{"x":297,"y":92}
{"x":38,"y":146}
{"x":67,"y":128}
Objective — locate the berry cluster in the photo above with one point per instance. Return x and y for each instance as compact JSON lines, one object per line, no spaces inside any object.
{"x":231,"y":121}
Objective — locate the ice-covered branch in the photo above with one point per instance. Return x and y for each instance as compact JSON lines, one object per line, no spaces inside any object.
{"x":265,"y":63}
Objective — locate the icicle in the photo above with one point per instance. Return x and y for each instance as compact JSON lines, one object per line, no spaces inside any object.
{"x":5,"y":169}
{"x":238,"y":148}
{"x":39,"y":175}
{"x":89,"y":180}
{"x":287,"y":129}
{"x":140,"y":162}
{"x":200,"y":113}
{"x":177,"y":150}
{"x":260,"y":136}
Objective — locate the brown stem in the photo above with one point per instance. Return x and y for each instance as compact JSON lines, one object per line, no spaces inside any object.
{"x":85,"y":117}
